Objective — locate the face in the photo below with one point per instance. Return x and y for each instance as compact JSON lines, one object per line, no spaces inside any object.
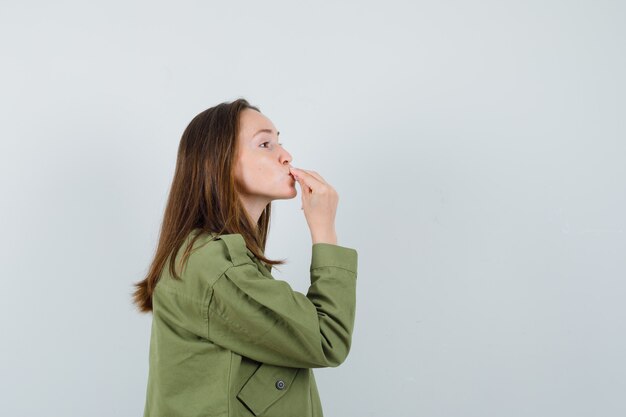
{"x":262,"y":164}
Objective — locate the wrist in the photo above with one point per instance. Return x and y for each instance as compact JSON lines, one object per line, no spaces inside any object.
{"x":325,"y":237}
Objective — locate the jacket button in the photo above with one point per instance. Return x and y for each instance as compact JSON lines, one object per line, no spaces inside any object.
{"x":280,"y":384}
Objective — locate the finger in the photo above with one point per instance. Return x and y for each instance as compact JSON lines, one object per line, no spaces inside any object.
{"x":309,"y":180}
{"x":306,"y":190}
{"x":316,"y":175}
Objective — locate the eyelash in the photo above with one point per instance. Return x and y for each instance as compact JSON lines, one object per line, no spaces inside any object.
{"x":270,"y":142}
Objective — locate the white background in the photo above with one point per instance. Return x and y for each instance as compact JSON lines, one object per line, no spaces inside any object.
{"x":478,"y":149}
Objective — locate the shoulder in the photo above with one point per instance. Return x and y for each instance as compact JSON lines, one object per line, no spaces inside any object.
{"x":209,"y":257}
{"x":212,"y":254}
{"x":235,"y":248}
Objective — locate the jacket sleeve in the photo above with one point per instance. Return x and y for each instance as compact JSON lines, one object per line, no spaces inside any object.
{"x":266,"y":320}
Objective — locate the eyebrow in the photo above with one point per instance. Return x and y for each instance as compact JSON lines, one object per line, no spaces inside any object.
{"x":266,"y":131}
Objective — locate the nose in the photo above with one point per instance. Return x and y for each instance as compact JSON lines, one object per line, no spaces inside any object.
{"x":286,"y":158}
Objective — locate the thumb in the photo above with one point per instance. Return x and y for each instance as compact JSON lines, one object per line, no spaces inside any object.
{"x":305,"y":179}
{"x":303,"y":190}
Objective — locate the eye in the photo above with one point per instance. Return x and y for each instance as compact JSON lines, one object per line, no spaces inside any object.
{"x":264,"y":143}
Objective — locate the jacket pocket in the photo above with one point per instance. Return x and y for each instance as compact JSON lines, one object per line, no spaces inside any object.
{"x":266,"y":386}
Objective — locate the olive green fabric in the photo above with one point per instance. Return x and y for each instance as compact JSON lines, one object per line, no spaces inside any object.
{"x":229,"y":340}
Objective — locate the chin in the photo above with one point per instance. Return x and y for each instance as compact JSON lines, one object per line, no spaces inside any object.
{"x":287,"y":196}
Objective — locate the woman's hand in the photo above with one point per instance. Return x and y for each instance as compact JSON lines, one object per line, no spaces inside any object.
{"x":319,"y":202}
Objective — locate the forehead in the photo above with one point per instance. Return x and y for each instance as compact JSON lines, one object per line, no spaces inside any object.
{"x":251,"y":121}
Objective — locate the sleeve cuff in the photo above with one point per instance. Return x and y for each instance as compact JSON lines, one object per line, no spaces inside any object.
{"x":327,"y":254}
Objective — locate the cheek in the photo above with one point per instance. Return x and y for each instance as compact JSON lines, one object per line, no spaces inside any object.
{"x":261,"y":167}
{"x":253,"y":174}
{"x":243,"y":173}
{"x":258,"y":173}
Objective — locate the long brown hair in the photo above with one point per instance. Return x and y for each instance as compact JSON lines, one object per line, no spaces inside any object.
{"x":203,"y":195}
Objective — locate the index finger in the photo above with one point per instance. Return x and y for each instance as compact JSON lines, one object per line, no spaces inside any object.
{"x":308,"y":179}
{"x":316,"y":175}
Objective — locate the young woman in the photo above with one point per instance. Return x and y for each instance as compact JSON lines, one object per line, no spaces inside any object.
{"x":227,"y":338}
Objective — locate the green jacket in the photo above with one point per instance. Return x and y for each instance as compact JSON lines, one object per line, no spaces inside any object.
{"x":229,"y":340}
